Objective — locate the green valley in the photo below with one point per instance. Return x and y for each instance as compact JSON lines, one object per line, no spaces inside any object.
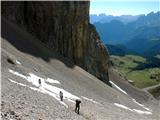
{"x":144,"y":72}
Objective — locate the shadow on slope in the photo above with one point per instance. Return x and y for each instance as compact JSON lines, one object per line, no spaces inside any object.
{"x":24,"y":42}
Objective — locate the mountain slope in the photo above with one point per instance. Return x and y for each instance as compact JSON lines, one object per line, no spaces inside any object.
{"x":113,"y":32}
{"x":153,"y":50}
{"x":64,"y":27}
{"x":20,"y":101}
{"x":116,"y":50}
{"x":147,"y":37}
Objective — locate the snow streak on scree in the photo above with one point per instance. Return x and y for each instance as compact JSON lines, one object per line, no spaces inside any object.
{"x":91,"y":100}
{"x":133,"y":110}
{"x":127,"y":108}
{"x":44,"y":87}
{"x":141,"y":105}
{"x":118,"y":87}
{"x":18,"y":62}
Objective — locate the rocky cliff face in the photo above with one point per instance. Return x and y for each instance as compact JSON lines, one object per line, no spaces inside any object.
{"x":64,"y":27}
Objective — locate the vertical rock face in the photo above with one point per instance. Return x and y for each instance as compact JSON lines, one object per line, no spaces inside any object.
{"x":97,"y":59}
{"x":64,"y":27}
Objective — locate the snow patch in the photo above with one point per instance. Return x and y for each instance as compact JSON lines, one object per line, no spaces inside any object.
{"x":122,"y":106}
{"x":90,"y":99}
{"x":33,"y":78}
{"x":18,"y":74}
{"x":141,"y":105}
{"x":49,"y":80}
{"x":21,"y":84}
{"x":18,"y":62}
{"x":133,"y":110}
{"x":118,"y":87}
{"x":46,"y":88}
{"x":147,"y":109}
{"x":143,"y":112}
{"x":41,"y":89}
{"x":137,"y":103}
{"x":16,"y":82}
{"x":73,"y":101}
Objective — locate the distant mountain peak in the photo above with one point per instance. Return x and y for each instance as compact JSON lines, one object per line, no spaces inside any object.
{"x":102,"y":18}
{"x":138,"y":36}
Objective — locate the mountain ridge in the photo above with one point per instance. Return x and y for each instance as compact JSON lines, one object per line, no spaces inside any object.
{"x":102,"y":18}
{"x":144,"y":31}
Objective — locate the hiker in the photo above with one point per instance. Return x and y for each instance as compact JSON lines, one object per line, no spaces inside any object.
{"x":61,"y":95}
{"x":39,"y":81}
{"x":77,"y":107}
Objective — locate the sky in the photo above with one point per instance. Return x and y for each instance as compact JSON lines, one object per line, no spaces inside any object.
{"x":124,"y":7}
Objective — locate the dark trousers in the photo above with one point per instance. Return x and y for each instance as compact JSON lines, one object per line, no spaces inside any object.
{"x":61,"y":98}
{"x":77,"y":109}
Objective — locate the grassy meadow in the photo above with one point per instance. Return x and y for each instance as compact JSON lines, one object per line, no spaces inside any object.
{"x":141,"y":71}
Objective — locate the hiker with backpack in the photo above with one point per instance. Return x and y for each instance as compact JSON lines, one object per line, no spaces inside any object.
{"x":77,"y":106}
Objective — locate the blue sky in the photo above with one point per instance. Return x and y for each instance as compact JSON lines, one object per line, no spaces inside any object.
{"x":124,"y":7}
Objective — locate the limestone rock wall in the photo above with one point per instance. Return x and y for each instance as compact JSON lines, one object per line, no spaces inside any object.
{"x":64,"y":27}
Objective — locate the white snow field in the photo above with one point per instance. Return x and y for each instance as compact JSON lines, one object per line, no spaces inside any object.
{"x":44,"y":87}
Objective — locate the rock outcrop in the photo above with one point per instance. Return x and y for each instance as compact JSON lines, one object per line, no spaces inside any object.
{"x":64,"y":27}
